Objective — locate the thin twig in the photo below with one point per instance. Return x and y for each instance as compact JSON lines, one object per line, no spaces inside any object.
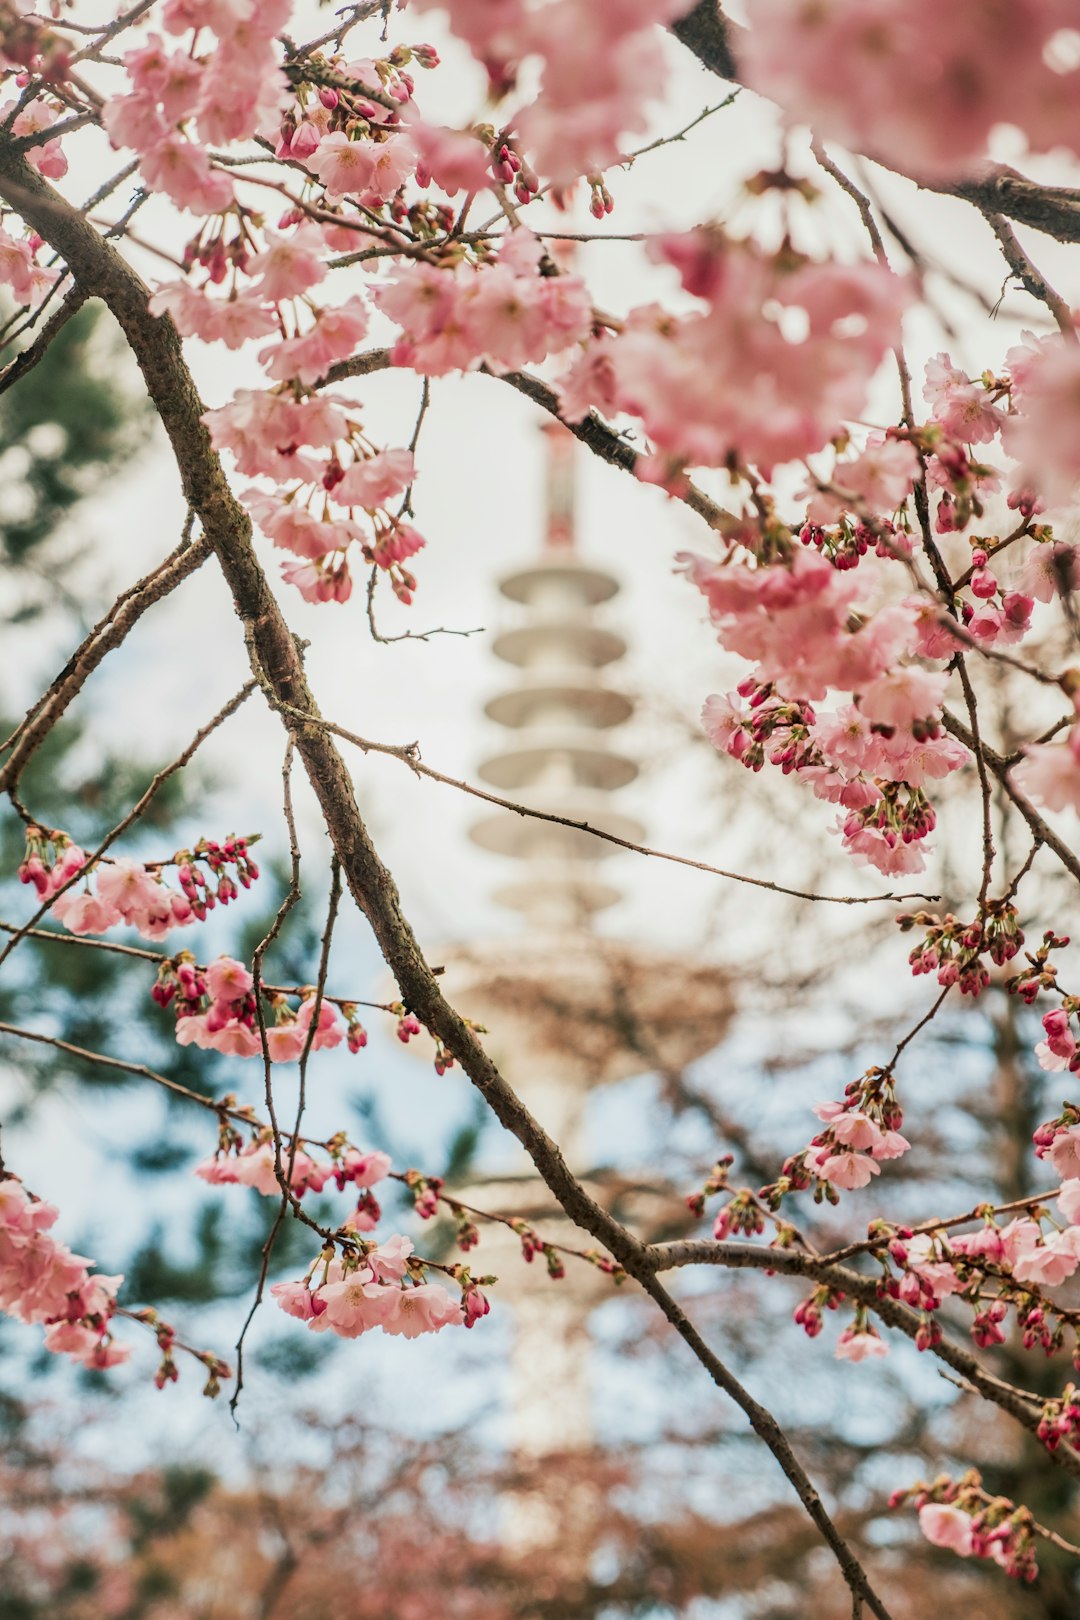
{"x":290,"y":900}
{"x":409,"y":754}
{"x":84,"y":942}
{"x":1033,"y":280}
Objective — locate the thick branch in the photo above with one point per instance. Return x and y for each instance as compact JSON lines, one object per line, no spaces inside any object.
{"x":1024,"y":1407}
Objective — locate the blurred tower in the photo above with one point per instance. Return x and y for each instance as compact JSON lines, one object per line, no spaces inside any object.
{"x":567,"y":1009}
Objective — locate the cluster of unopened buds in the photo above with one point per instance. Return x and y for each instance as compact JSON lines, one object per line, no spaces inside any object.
{"x":961,"y":1517}
{"x":900,"y":815}
{"x":601,"y":202}
{"x":846,"y":543}
{"x":962,"y":479}
{"x":741,"y":1214}
{"x":808,"y":1312}
{"x":408,"y":1024}
{"x":168,"y":1371}
{"x":532,"y":1244}
{"x":267,"y":1167}
{"x":954,"y":950}
{"x":859,"y":1132}
{"x":219,"y":887}
{"x":1060,"y":1420}
{"x":215,"y":1009}
{"x":1040,"y":973}
{"x":998,"y":614}
{"x":133,"y":893}
{"x":511,"y":169}
{"x":426,"y":1192}
{"x":332,"y":101}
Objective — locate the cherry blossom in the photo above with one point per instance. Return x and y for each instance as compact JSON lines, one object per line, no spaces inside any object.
{"x":42,"y":1282}
{"x":946,"y":1526}
{"x":917,"y":87}
{"x":860,"y":1344}
{"x":784,"y":397}
{"x":1050,"y":772}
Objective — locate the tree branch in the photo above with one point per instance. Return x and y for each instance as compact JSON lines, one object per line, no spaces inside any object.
{"x":1020,"y":1404}
{"x":409,"y":754}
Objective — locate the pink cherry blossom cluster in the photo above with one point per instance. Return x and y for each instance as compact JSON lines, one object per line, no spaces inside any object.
{"x":860,"y":1341}
{"x":1059,"y":1050}
{"x":265,"y":433}
{"x":180,"y":102}
{"x":871,"y":757}
{"x":215,"y":1009}
{"x":924,"y":1268}
{"x":879,"y":479}
{"x":41,"y":1281}
{"x":255,"y":1164}
{"x":1032,"y":407}
{"x":38,"y":115}
{"x":502,"y":310}
{"x":961,"y":1517}
{"x":130,"y":892}
{"x":918,"y":86}
{"x":859,"y":1132}
{"x":375,"y":1285}
{"x":954,"y":950}
{"x":19,"y":269}
{"x":791,"y":618}
{"x":1049,"y":773}
{"x":1018,"y":1260}
{"x":600,"y":66}
{"x":783,"y":397}
{"x":1058,"y":1140}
